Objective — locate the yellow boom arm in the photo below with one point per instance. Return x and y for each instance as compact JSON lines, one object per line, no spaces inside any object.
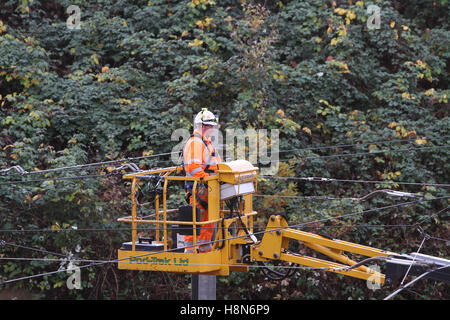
{"x":274,"y":246}
{"x":235,"y":247}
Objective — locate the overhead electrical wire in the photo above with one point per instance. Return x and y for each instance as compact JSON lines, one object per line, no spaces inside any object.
{"x":325,"y":179}
{"x":414,"y":259}
{"x":85,"y":166}
{"x":389,"y":225}
{"x":364,"y":198}
{"x":76,"y":229}
{"x":355,"y":145}
{"x":310,"y":179}
{"x":356,"y":154}
{"x":414,"y":281}
{"x":303,"y":224}
{"x":403,"y":287}
{"x":55,"y":178}
{"x":102,"y":262}
{"x":4,"y":243}
{"x":339,"y":146}
{"x":95,"y":165}
{"x":115,"y":171}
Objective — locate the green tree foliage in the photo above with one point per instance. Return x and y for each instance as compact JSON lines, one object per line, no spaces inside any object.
{"x":136,"y":70}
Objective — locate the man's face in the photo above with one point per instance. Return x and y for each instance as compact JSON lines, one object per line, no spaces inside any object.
{"x":208,"y":131}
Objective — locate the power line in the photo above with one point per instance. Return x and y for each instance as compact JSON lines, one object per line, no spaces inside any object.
{"x":103,"y":262}
{"x":76,"y":229}
{"x":303,"y":197}
{"x":303,"y":224}
{"x":49,"y":259}
{"x":389,"y":225}
{"x":310,"y":179}
{"x":109,"y":261}
{"x":30,"y":248}
{"x":414,"y":259}
{"x":324,"y":179}
{"x":220,"y":240}
{"x":357,"y":154}
{"x":414,"y":281}
{"x":86,"y":166}
{"x":339,"y":146}
{"x":95,"y":165}
{"x":56,"y":179}
{"x":364,"y":198}
{"x":154,"y":228}
{"x":360,"y":144}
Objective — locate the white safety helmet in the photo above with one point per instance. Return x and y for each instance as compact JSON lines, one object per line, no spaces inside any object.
{"x":206,"y":118}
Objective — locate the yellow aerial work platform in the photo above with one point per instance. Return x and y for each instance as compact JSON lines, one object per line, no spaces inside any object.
{"x":236,"y":179}
{"x":235,"y":247}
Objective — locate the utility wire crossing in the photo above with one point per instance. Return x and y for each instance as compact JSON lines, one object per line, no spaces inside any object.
{"x":299,"y":225}
{"x":129,"y":160}
{"x":133,"y":167}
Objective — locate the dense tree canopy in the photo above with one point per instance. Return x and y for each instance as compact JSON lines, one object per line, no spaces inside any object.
{"x":135,"y":71}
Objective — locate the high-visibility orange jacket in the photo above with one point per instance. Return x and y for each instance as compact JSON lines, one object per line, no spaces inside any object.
{"x":200,"y":157}
{"x":200,"y":160}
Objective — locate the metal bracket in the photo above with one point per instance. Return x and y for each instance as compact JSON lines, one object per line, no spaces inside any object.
{"x":417,"y":263}
{"x":17,"y":168}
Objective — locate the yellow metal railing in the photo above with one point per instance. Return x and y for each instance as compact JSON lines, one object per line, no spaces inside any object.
{"x":215,"y":215}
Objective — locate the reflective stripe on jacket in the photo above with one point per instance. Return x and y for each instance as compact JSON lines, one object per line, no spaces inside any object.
{"x":199,"y":155}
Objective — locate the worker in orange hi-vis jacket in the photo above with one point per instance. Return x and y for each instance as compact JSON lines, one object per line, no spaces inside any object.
{"x":200,"y":160}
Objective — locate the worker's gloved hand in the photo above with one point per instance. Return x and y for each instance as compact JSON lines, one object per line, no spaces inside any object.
{"x":201,"y":189}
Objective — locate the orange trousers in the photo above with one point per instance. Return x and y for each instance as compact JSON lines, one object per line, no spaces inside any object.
{"x":206,"y":230}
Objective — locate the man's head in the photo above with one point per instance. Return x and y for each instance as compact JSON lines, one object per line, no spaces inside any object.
{"x":207,"y":123}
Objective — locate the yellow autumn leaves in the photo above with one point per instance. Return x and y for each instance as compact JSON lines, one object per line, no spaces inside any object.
{"x":94,"y":58}
{"x":278,"y":75}
{"x":195,"y":43}
{"x":388,"y":175}
{"x":288,"y":122}
{"x":402,"y":132}
{"x":392,"y":25}
{"x":349,"y":14}
{"x":202,"y":3}
{"x":2,"y":27}
{"x":202,"y":24}
{"x":341,"y":65}
{"x":425,"y":70}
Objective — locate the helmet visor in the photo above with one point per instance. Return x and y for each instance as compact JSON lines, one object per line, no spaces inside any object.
{"x":211,"y":132}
